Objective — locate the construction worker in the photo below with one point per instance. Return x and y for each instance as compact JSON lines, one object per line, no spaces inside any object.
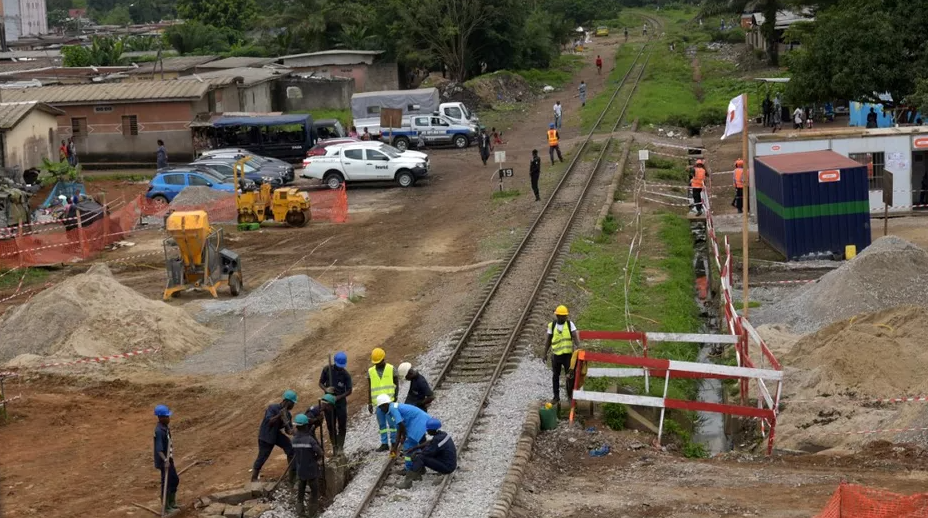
{"x":164,"y":459}
{"x":554,"y":139}
{"x":420,"y":393}
{"x":320,"y":411}
{"x":562,"y":339}
{"x":307,"y":455}
{"x":438,"y":454}
{"x":380,"y":382}
{"x":697,"y":184}
{"x":338,"y":383}
{"x":409,"y":422}
{"x":738,"y":202}
{"x":276,"y":423}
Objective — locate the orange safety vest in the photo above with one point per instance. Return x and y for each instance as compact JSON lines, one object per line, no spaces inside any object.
{"x":552,"y":138}
{"x":698,"y":178}
{"x":739,"y":177}
{"x":870,"y":169}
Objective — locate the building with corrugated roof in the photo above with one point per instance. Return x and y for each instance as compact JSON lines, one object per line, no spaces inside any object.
{"x":28,"y":133}
{"x":361,"y":65}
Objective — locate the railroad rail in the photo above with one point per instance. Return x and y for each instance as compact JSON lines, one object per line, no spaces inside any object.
{"x":493,"y":333}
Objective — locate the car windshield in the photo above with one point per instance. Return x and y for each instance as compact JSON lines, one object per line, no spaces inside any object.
{"x":208,"y":171}
{"x":390,"y":151}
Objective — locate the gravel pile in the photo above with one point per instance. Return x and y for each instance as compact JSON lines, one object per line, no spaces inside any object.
{"x":297,"y":292}
{"x":891,"y":272}
{"x":196,"y":196}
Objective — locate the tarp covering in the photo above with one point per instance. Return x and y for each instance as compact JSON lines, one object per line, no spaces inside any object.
{"x":426,"y":99}
{"x":66,"y":189}
{"x":263,"y":120}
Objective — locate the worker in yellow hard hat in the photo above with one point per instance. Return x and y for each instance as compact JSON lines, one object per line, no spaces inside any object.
{"x":381,"y":381}
{"x":562,"y":339}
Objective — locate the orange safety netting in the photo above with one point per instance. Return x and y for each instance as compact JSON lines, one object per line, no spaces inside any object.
{"x":853,"y":501}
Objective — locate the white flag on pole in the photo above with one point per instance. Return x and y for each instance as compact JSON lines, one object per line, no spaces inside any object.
{"x":734,"y":121}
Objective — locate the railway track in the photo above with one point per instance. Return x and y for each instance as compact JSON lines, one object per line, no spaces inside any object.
{"x":484,"y":350}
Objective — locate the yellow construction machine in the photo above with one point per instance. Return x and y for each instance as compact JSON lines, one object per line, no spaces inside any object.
{"x":195,"y":257}
{"x":285,"y":204}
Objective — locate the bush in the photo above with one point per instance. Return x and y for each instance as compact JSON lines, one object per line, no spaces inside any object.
{"x":660,"y":163}
{"x":729,"y":36}
{"x":694,"y":450}
{"x":615,"y":415}
{"x":610,"y":225}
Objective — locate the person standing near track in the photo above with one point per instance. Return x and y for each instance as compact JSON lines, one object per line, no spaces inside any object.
{"x":484,"y":145}
{"x":599,"y":60}
{"x":307,"y":454}
{"x":582,"y":92}
{"x":381,"y":382}
{"x":558,"y":111}
{"x":697,"y":184}
{"x":164,"y":459}
{"x":554,"y":139}
{"x":338,"y":384}
{"x":275,"y":427}
{"x":562,"y":338}
{"x":534,"y":172}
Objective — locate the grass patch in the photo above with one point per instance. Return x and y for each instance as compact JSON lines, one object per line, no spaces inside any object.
{"x":118,"y":177}
{"x":560,"y":72}
{"x":488,"y":274}
{"x":656,"y":162}
{"x":677,"y":174}
{"x":624,"y":57}
{"x":10,"y":279}
{"x":505,"y":194}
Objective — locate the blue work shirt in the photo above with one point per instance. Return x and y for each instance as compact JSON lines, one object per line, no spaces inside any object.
{"x":413,"y":418}
{"x":268,"y":431}
{"x":312,"y":413}
{"x":419,"y":389}
{"x":162,"y":445}
{"x":306,"y":455}
{"x":341,"y":381}
{"x":441,"y":447}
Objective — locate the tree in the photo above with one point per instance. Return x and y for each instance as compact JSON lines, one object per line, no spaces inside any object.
{"x":445,"y":28}
{"x":196,"y":38}
{"x":103,"y":51}
{"x":919,"y":99}
{"x":119,"y":15}
{"x":357,"y":38}
{"x":235,"y":15}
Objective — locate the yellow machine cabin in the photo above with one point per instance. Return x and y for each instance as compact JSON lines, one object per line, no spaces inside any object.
{"x":195,"y":257}
{"x":286,"y":204}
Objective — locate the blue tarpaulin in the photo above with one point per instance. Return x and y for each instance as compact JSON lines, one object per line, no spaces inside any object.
{"x":67,"y":189}
{"x":261,"y":120}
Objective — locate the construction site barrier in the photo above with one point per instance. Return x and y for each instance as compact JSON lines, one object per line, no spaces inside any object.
{"x":853,"y":501}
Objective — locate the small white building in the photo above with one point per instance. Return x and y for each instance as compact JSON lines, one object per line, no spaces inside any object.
{"x":24,"y":18}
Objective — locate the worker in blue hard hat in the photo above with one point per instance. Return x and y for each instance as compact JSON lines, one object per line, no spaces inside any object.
{"x":164,"y":459}
{"x":438,"y":454}
{"x":274,"y":427}
{"x":307,"y":455}
{"x":409,"y":422}
{"x":336,"y":380}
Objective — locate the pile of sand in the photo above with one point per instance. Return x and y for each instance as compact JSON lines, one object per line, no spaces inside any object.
{"x":889,"y":273}
{"x":92,"y":314}
{"x":833,"y":375}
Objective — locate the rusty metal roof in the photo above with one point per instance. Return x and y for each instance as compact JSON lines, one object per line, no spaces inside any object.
{"x":177,"y":64}
{"x":236,"y":62}
{"x":807,"y":161}
{"x":140,"y":91}
{"x":11,"y":113}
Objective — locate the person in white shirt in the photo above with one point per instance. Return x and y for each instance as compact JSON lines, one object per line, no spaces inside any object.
{"x":557,"y":115}
{"x":797,"y":118}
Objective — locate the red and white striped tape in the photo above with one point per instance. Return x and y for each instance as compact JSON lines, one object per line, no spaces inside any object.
{"x":868,"y":432}
{"x":772,"y":283}
{"x":7,"y":400}
{"x":675,"y":146}
{"x":900,"y":207}
{"x":26,"y":292}
{"x":668,"y":185}
{"x":131,"y":257}
{"x":56,"y":245}
{"x":101,"y":359}
{"x":8,"y":374}
{"x":918,"y":399}
{"x":665,"y":203}
{"x":678,"y":157}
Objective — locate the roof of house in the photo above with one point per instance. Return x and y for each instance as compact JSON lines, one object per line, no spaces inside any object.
{"x":19,"y":66}
{"x":66,"y":72}
{"x":236,"y":63}
{"x":785,"y":18}
{"x":336,"y":52}
{"x":178,"y":64}
{"x":30,"y":54}
{"x":12,"y":112}
{"x":139,"y":91}
{"x":807,"y":161}
{"x":250,"y":76}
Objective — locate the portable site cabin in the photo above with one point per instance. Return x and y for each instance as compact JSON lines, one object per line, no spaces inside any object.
{"x":812,"y":204}
{"x":420,"y":101}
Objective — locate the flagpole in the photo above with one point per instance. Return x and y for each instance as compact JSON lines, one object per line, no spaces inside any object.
{"x":745,"y":204}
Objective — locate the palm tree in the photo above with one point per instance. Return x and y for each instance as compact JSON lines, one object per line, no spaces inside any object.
{"x":357,"y":38}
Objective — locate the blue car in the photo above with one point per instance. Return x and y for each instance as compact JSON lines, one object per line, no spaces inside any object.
{"x":169,"y":182}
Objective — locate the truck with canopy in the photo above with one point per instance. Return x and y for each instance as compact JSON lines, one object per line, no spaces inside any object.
{"x":284,"y":136}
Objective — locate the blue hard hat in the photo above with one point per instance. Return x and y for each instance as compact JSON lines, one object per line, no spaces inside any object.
{"x":551,"y":125}
{"x":290,"y":396}
{"x":432,"y":424}
{"x":301,"y":420}
{"x":341,"y":359}
{"x":162,"y":411}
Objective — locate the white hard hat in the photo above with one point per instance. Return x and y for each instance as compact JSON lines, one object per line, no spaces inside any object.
{"x":404,"y":369}
{"x":383,"y":399}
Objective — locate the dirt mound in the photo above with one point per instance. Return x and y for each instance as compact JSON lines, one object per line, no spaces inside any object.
{"x":195,"y":196}
{"x":835,"y":374}
{"x":889,"y":273}
{"x":92,"y":314}
{"x":501,"y":87}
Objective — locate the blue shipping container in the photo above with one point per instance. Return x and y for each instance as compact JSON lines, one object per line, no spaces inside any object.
{"x":812,"y":204}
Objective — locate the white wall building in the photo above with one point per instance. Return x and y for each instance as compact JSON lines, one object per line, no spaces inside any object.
{"x":24,"y":18}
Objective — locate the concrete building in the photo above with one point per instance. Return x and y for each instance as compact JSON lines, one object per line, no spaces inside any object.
{"x":357,"y":64}
{"x":254,"y":87}
{"x":28,"y":134}
{"x":900,"y":151}
{"x":313,"y":93}
{"x":24,"y":18}
{"x":755,"y":39}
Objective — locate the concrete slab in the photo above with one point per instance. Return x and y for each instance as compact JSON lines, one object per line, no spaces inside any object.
{"x":233,"y":511}
{"x":215,"y":508}
{"x":233,"y":496}
{"x":257,"y":510}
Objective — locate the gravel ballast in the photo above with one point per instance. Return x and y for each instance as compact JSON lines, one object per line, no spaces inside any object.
{"x":196,"y":196}
{"x":294,"y":293}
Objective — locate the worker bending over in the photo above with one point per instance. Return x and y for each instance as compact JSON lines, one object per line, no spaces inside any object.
{"x":438,"y":454}
{"x":420,"y":393}
{"x":409,"y":422}
{"x":319,"y":411}
{"x":337,"y":382}
{"x":381,"y":383}
{"x":562,"y":338}
{"x":276,"y":423}
{"x":164,"y":460}
{"x":307,"y":455}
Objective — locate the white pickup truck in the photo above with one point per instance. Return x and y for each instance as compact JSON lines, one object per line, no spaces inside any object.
{"x":363,"y":162}
{"x":365,"y":108}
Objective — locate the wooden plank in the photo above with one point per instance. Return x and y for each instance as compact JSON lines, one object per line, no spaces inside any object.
{"x":602,"y":372}
{"x":625,"y":399}
{"x":692,"y":337}
{"x":702,"y":406}
{"x":725,"y":370}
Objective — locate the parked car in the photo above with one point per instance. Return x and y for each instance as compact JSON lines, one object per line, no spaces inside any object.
{"x":238,"y":153}
{"x":602,"y":30}
{"x":258,"y":173}
{"x":431,"y":131}
{"x":361,"y":162}
{"x":169,"y":182}
{"x":334,"y":149}
{"x":320,"y":147}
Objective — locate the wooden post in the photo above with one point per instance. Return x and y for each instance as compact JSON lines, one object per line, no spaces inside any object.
{"x":80,"y":235}
{"x":19,"y":250}
{"x":744,"y":213}
{"x":885,"y":219}
{"x":106,"y":219}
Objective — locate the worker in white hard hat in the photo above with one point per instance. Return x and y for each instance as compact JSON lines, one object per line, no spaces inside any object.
{"x":562,"y":339}
{"x":420,"y":393}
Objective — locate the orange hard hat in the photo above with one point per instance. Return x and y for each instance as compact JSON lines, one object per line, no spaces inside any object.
{"x":739,"y":163}
{"x":699,"y":162}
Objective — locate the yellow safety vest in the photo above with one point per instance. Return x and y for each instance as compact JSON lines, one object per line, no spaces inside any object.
{"x":561,"y":341}
{"x":552,"y":138}
{"x":381,"y":384}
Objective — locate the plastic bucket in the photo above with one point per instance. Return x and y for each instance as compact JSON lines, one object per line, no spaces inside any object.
{"x":850,"y":252}
{"x":548,"y":414}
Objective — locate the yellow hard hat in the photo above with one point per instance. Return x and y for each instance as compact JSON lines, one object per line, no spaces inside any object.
{"x":377,"y":355}
{"x":561,"y":310}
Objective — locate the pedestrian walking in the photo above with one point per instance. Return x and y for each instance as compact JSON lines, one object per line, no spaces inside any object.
{"x":306,"y":457}
{"x":599,"y":60}
{"x":697,"y":184}
{"x":534,"y":172}
{"x":626,"y":34}
{"x":582,"y":90}
{"x":767,"y":107}
{"x":275,"y":427}
{"x":554,"y":139}
{"x":164,"y":459}
{"x":336,"y":381}
{"x":161,"y":156}
{"x":484,"y":145}
{"x":353,"y":132}
{"x":557,"y":114}
{"x":562,"y":338}
{"x":410,"y":423}
{"x":438,"y":454}
{"x":738,"y":202}
{"x":797,"y":118}
{"x":380,"y":382}
{"x":420,"y":393}
{"x":497,"y":137}
{"x":72,"y":152}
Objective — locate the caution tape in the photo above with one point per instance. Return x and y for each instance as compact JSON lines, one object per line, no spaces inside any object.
{"x":129,"y":258}
{"x":70,"y":243}
{"x":668,"y":185}
{"x":3,"y":402}
{"x":664,"y":144}
{"x":26,"y":292}
{"x":101,"y":359}
{"x":9,"y":374}
{"x":679,"y":157}
{"x":900,"y":207}
{"x":723,"y":172}
{"x":667,"y":195}
{"x":886,"y":430}
{"x":772,"y":283}
{"x":666,"y":203}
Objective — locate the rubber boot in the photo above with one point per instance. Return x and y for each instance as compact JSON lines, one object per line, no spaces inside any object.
{"x":291,"y":476}
{"x":299,"y":508}
{"x":171,"y":503}
{"x":313,"y":510}
{"x":254,"y":475}
{"x":411,"y":476}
